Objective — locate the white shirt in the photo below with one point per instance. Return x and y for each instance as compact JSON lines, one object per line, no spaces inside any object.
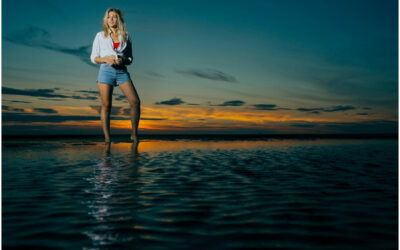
{"x":105,"y":47}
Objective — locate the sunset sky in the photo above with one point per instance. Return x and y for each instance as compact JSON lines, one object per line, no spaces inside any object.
{"x":252,"y":66}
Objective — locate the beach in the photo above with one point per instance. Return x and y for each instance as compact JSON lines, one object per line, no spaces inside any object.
{"x":199,"y":192}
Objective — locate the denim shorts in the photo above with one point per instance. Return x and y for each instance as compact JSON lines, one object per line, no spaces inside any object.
{"x":113,"y":75}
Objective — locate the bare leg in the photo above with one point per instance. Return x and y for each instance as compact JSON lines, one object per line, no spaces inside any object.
{"x":106,"y":91}
{"x":130,"y":92}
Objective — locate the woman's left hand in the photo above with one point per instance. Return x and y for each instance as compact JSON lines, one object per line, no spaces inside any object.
{"x":118,"y":61}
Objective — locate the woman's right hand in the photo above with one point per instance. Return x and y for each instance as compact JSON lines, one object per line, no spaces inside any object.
{"x":110,"y":60}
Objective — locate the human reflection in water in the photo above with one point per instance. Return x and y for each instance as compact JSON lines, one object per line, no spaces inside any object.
{"x":113,"y":194}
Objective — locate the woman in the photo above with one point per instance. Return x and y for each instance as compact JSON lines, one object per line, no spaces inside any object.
{"x":112,"y":49}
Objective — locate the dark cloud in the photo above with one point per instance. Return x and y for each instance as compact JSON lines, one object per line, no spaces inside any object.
{"x":40,"y":38}
{"x":153,"y":119}
{"x":84,"y":97}
{"x":231,"y":103}
{"x":48,"y":99}
{"x":8,"y":108}
{"x":44,"y":110}
{"x":310,"y":109}
{"x":44,"y":93}
{"x":88,"y":91}
{"x":28,"y":118}
{"x":267,"y":107}
{"x":31,"y":92}
{"x":363,"y":113}
{"x":368,"y":108}
{"x":173,"y":101}
{"x":332,"y":109}
{"x":340,"y":108}
{"x":16,"y":101}
{"x":303,"y":125}
{"x":211,"y":74}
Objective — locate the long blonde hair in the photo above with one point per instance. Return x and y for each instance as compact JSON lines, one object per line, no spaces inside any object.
{"x":121,"y":23}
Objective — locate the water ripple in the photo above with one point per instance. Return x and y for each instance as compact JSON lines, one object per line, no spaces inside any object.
{"x":323,"y":194}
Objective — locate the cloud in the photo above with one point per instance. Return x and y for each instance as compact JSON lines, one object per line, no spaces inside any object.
{"x":84,"y":97}
{"x":16,"y":101}
{"x":231,"y":103}
{"x":173,"y":101}
{"x":49,"y":99}
{"x":332,"y":109}
{"x":303,"y":125}
{"x":44,"y":110}
{"x":31,"y":92}
{"x":309,"y":109}
{"x":363,"y":113}
{"x":8,"y":108}
{"x":28,"y":118}
{"x":340,"y":108}
{"x":210,"y":74}
{"x":89,"y":91}
{"x":49,"y":93}
{"x":267,"y":107}
{"x":40,"y":38}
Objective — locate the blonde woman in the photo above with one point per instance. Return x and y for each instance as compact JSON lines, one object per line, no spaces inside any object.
{"x":112,"y":49}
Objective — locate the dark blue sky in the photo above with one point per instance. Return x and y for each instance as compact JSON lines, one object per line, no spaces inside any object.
{"x":269,"y":66}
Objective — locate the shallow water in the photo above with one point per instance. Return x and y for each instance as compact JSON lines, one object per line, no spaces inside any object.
{"x":180,"y":194}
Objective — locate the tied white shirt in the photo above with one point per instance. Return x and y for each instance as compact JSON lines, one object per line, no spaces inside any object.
{"x":104,"y":46}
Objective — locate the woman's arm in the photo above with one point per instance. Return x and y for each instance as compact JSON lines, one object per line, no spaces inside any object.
{"x":95,"y":50}
{"x":128,"y":58}
{"x":110,"y":60}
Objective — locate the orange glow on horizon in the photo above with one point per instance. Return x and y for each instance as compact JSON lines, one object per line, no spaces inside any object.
{"x":181,"y":118}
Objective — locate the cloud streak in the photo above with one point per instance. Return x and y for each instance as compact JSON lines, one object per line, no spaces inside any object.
{"x":40,"y":38}
{"x":49,"y":93}
{"x":31,"y":92}
{"x":44,"y":110}
{"x":332,"y":109}
{"x":271,"y":107}
{"x":173,"y":101}
{"x":231,"y":103}
{"x":210,"y":74}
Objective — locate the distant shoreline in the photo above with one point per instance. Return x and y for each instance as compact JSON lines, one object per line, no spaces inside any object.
{"x":211,"y":136}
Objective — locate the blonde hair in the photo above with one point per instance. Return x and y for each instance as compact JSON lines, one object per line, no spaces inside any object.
{"x":121,"y":23}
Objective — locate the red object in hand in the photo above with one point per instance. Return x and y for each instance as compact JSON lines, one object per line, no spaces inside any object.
{"x":116,"y":45}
